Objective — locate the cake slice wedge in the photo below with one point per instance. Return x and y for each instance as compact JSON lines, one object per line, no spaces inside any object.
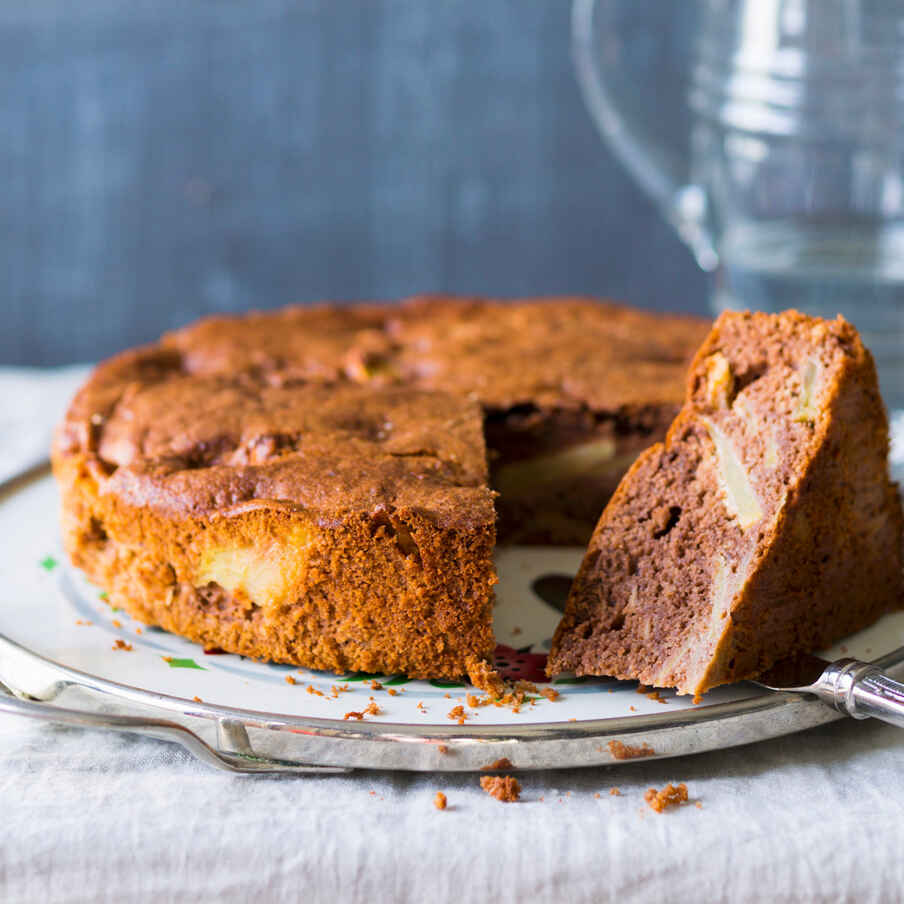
{"x":763,"y":525}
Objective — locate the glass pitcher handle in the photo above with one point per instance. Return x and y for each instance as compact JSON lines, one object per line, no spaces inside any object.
{"x":655,"y":152}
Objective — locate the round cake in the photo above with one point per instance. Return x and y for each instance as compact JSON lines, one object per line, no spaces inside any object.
{"x":320,"y":485}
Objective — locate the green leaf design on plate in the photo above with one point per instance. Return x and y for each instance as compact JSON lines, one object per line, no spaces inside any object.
{"x":398,"y":679}
{"x":174,"y":663}
{"x":116,"y":608}
{"x":437,"y":682}
{"x":103,"y":595}
{"x":363,"y":676}
{"x":48,"y":563}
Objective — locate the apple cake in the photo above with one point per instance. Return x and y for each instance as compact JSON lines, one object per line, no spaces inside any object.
{"x":765,"y":523}
{"x":311,"y":485}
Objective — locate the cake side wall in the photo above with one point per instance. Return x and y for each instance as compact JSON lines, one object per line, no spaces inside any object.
{"x":386,"y":593}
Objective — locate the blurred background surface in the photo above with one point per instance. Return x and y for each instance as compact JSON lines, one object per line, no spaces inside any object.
{"x":161,"y":160}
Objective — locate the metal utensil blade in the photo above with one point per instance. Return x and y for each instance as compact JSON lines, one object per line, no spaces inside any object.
{"x":796,"y":673}
{"x":855,"y":688}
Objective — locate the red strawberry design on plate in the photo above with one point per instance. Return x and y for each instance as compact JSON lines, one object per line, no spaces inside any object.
{"x":515,"y":665}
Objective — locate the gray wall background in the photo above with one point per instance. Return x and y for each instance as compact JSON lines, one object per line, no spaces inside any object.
{"x":160,"y":160}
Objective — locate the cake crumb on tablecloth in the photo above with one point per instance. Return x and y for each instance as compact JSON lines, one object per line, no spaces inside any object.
{"x":669,"y":796}
{"x":505,"y":788}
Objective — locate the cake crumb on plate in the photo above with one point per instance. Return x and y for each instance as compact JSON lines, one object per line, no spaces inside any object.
{"x":502,"y":763}
{"x":621,"y":751}
{"x":458,"y":714}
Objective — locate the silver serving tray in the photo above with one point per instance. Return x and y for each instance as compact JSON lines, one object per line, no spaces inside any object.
{"x":253,"y":739}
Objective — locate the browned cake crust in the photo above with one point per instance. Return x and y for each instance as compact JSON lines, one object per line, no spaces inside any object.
{"x":335,"y":527}
{"x":765,"y":524}
{"x":572,"y":388}
{"x":310,"y":485}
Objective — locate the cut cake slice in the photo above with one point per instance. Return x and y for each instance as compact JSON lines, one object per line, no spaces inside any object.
{"x":765,"y":523}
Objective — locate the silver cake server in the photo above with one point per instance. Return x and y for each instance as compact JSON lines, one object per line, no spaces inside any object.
{"x":855,"y":688}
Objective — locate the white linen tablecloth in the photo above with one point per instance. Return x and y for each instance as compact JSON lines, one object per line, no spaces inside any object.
{"x":91,"y":816}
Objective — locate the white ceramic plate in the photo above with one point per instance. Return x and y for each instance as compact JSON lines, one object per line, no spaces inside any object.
{"x":63,"y":635}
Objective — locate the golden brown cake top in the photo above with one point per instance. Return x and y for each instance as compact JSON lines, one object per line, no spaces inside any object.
{"x":547,"y":352}
{"x":198,"y":444}
{"x":343,"y":408}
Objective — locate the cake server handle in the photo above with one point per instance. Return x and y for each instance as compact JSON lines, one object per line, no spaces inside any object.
{"x":862,"y":690}
{"x":160,"y":729}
